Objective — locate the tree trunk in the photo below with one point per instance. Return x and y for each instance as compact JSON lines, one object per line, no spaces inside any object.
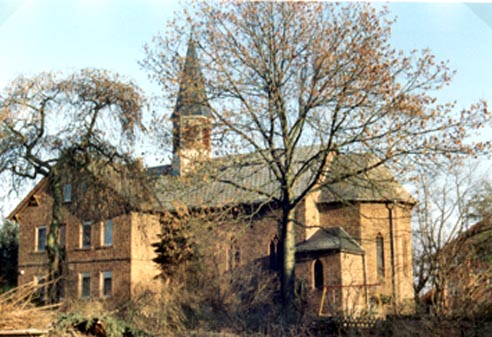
{"x":288,"y":262}
{"x":53,"y":249}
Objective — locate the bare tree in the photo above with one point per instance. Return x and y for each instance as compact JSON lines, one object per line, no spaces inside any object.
{"x":452,"y":227}
{"x":52,"y":125}
{"x":284,"y":75}
{"x":480,"y":204}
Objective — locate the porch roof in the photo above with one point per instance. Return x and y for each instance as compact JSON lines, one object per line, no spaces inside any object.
{"x":329,"y":239}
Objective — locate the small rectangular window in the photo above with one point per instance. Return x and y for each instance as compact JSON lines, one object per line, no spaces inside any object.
{"x":86,"y":232}
{"x":67,"y":193}
{"x":85,"y":285}
{"x":41,"y":238}
{"x":83,"y":188}
{"x":107,"y":233}
{"x":106,"y":283}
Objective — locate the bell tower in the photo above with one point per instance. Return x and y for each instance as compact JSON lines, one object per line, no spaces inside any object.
{"x":191,"y":118}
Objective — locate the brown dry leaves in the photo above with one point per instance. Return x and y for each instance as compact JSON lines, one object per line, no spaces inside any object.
{"x":284,"y":73}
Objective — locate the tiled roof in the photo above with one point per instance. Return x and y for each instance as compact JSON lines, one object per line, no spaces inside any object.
{"x":329,"y":239}
{"x":376,"y":184}
{"x":247,"y":179}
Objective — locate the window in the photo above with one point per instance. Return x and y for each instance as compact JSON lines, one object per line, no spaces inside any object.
{"x":380,"y":255}
{"x":85,"y":285}
{"x":107,"y":233}
{"x":41,"y":238}
{"x":280,"y":254}
{"x":34,"y":201}
{"x":275,"y":255}
{"x":67,"y":193}
{"x":234,"y":256}
{"x":86,"y":235}
{"x":237,"y":256}
{"x":83,"y":188}
{"x":206,"y":137}
{"x":318,"y":275}
{"x":40,"y":295}
{"x":106,"y":284}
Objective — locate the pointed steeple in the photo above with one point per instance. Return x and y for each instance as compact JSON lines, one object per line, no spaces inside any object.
{"x":192,"y":116}
{"x":192,"y":99}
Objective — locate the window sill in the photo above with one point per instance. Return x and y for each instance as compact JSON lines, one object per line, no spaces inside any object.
{"x":105,"y":247}
{"x":83,"y":248}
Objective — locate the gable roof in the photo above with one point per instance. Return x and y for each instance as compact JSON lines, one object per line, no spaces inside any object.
{"x":474,"y":243}
{"x":120,"y":184}
{"x":329,"y":239}
{"x":247,"y":179}
{"x":238,"y":180}
{"x":25,"y":202}
{"x":375,"y":184}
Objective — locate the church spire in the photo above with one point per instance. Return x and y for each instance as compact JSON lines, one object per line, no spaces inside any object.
{"x":192,"y":116}
{"x":192,"y":98}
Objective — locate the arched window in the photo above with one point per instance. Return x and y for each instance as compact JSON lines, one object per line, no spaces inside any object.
{"x":237,"y":255}
{"x":280,"y":254}
{"x":234,"y":256}
{"x":274,"y":254}
{"x":380,"y":255}
{"x":318,"y":274}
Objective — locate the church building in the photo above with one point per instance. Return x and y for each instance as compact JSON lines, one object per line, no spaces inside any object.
{"x":353,"y":250}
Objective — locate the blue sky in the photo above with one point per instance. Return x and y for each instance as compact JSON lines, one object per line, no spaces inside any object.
{"x":53,"y":35}
{"x":65,"y":35}
{"x":460,"y":33}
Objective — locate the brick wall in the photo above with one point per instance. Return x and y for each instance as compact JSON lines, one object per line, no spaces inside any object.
{"x":352,"y":281}
{"x":144,"y":271}
{"x":331,"y":276}
{"x":129,"y":258}
{"x":375,"y":219}
{"x":364,"y":222}
{"x":127,"y":239}
{"x":252,"y":237}
{"x":342,"y":215}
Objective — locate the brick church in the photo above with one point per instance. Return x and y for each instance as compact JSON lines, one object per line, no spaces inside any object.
{"x":353,"y":251}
